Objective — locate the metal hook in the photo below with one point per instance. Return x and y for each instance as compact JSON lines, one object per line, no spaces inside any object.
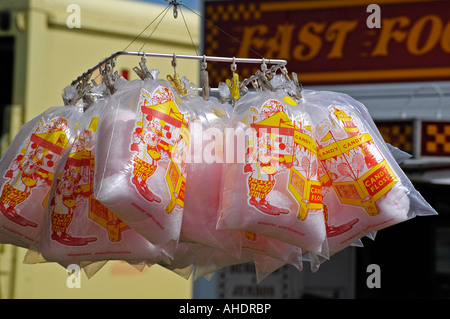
{"x":233,"y":84}
{"x":204,"y":64}
{"x":174,"y":64}
{"x":175,"y":5}
{"x":263,"y":65}
{"x":233,"y":65}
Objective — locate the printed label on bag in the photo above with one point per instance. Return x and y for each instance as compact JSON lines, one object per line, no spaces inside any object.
{"x":354,"y":165}
{"x":74,"y":190}
{"x":161,"y":135}
{"x":33,"y":168}
{"x":303,"y":182}
{"x":278,"y":144}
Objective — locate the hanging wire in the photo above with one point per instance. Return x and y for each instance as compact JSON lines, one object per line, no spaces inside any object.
{"x":145,"y":29}
{"x":189,"y":32}
{"x":223,"y":31}
{"x":165,"y":12}
{"x":148,"y":26}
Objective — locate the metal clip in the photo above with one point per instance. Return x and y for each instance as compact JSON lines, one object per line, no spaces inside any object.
{"x":143,"y":72}
{"x":233,"y":84}
{"x":205,"y":80}
{"x":175,"y":80}
{"x":108,"y":76}
{"x":177,"y":84}
{"x":263,"y":65}
{"x":263,"y":80}
{"x":80,"y":90}
{"x":255,"y":84}
{"x":284,"y":71}
{"x":298,"y":86}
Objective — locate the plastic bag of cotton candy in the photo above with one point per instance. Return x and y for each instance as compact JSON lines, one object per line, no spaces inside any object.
{"x":270,"y":183}
{"x":204,"y":176}
{"x":221,"y":247}
{"x":27,"y":170}
{"x":140,"y":163}
{"x":364,"y":189}
{"x":78,"y":227}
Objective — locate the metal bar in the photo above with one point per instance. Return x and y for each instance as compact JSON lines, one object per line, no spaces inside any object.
{"x":181,"y":56}
{"x":203,"y":57}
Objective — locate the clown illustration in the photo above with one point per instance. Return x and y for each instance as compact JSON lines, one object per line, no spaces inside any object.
{"x":33,"y":168}
{"x":74,"y":193}
{"x":269,"y":152}
{"x":150,"y":136}
{"x":73,"y":185}
{"x":160,"y":135}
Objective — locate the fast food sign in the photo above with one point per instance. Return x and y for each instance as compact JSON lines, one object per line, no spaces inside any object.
{"x":333,"y":42}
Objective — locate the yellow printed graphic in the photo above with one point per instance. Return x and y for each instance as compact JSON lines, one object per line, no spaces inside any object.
{"x":307,"y":193}
{"x":107,"y":219}
{"x":177,"y":184}
{"x":366,"y":190}
{"x":343,"y":146}
{"x":305,"y":141}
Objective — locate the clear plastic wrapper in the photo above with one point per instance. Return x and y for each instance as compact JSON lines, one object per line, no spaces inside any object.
{"x":271,"y":185}
{"x":5,"y":239}
{"x":140,"y":163}
{"x":193,"y":260}
{"x":265,"y":265}
{"x":363,"y":188}
{"x":28,"y":168}
{"x":204,"y":173}
{"x":78,"y":227}
{"x":273,"y":248}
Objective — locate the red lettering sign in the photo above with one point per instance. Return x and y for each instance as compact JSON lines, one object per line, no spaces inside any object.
{"x":378,"y":180}
{"x":332,"y":41}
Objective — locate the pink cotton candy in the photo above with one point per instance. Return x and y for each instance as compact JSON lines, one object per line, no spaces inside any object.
{"x":363,"y":188}
{"x":263,"y":192}
{"x":204,"y":178}
{"x":78,"y":227}
{"x":142,"y":175}
{"x":28,"y":168}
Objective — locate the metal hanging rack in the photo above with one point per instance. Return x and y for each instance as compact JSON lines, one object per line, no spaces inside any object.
{"x":106,"y":67}
{"x":203,"y":58}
